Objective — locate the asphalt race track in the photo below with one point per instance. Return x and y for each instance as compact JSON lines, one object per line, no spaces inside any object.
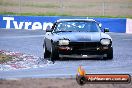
{"x":31,"y":41}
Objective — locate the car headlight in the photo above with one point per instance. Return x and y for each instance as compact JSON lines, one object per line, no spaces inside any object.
{"x":105,"y":41}
{"x":63,"y":42}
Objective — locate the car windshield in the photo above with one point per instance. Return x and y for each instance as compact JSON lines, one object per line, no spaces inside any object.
{"x":77,"y":26}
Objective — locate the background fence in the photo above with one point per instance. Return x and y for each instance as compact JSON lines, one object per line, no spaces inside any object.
{"x":68,"y":7}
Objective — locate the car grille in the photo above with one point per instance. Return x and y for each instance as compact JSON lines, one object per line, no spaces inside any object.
{"x":84,"y":47}
{"x":86,"y":44}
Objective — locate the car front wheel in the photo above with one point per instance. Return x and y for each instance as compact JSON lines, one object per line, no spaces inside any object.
{"x":46,"y":53}
{"x":109,"y":54}
{"x":54,"y":54}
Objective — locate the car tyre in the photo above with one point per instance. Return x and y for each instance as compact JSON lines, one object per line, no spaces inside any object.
{"x":46,"y":53}
{"x":109,"y":54}
{"x":54,"y":54}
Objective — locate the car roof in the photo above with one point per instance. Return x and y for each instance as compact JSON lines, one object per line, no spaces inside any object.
{"x":62,"y":20}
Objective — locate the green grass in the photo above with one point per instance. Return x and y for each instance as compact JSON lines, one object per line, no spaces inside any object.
{"x":111,"y":16}
{"x":57,"y":14}
{"x":35,"y":14}
{"x":5,"y":58}
{"x":84,"y":5}
{"x":9,"y":4}
{"x":43,"y":5}
{"x":39,"y":5}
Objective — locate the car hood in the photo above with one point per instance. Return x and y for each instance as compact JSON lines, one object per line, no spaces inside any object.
{"x":80,"y":36}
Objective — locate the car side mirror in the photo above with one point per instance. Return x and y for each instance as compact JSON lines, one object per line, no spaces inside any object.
{"x":48,"y":29}
{"x":106,"y":30}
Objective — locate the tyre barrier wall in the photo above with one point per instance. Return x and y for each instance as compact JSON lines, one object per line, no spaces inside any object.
{"x":120,"y":25}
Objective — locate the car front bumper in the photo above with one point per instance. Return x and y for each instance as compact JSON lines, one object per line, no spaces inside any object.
{"x":94,"y":50}
{"x":82,"y":56}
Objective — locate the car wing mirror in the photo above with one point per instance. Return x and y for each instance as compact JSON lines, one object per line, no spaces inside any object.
{"x":106,"y":30}
{"x":48,"y":29}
